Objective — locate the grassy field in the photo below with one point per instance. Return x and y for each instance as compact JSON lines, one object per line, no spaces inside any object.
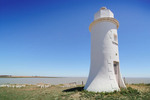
{"x":133,"y":92}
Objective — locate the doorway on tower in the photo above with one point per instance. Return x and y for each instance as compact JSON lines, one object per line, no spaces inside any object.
{"x":116,"y":71}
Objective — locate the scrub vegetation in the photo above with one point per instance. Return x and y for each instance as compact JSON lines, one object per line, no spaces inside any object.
{"x":56,"y":92}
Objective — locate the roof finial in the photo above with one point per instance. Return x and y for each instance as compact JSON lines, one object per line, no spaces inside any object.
{"x":103,"y":8}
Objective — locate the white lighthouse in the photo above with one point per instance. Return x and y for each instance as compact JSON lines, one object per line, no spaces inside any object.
{"x":104,"y":73}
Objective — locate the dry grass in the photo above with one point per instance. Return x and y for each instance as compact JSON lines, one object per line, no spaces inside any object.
{"x":133,"y":92}
{"x":140,"y":87}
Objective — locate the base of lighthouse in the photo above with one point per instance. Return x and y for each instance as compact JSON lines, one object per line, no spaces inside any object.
{"x":109,"y":82}
{"x":104,"y":73}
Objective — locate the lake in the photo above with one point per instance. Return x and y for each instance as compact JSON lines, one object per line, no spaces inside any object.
{"x":56,"y":81}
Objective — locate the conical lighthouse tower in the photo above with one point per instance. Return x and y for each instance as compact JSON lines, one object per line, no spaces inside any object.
{"x":104,"y":73}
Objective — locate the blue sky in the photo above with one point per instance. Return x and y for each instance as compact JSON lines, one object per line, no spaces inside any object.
{"x":51,"y":37}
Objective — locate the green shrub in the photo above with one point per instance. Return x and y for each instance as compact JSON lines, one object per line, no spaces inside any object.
{"x":132,"y":91}
{"x":129,"y":91}
{"x":99,"y":97}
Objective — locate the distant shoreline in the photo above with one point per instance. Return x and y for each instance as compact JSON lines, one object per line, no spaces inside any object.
{"x":11,"y":76}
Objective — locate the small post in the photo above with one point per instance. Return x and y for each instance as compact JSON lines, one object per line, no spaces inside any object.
{"x":124,"y":80}
{"x":82,"y":82}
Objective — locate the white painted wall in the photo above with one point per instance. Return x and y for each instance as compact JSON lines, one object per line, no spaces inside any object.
{"x":104,"y":50}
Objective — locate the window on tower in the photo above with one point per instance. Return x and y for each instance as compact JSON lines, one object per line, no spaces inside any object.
{"x":115,"y":38}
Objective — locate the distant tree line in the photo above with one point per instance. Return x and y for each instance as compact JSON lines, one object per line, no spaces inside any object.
{"x":5,"y":76}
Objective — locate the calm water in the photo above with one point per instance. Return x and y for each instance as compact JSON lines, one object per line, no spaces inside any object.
{"x":56,"y":81}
